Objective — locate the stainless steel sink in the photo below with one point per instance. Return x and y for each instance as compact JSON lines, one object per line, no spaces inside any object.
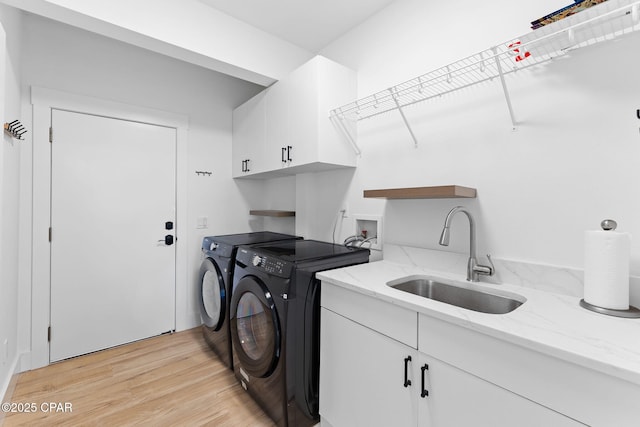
{"x":468,"y":296}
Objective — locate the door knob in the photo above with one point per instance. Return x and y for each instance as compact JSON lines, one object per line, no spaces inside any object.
{"x":168,"y":240}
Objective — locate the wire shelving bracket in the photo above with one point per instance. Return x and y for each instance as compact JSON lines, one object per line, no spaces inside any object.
{"x":599,"y":23}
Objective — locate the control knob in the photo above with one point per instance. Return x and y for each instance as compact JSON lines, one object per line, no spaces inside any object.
{"x":257,"y":261}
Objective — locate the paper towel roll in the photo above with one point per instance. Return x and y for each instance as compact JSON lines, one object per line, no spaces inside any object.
{"x":606,"y":269}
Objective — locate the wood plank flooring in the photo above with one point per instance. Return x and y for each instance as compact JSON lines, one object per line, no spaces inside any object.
{"x":169,"y":380}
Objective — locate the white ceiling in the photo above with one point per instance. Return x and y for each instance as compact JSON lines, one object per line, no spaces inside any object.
{"x":310,"y":24}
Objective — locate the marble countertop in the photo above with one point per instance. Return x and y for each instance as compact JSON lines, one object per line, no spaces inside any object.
{"x":550,"y":323}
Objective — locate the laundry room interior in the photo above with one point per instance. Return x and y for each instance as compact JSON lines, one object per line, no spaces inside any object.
{"x":346,"y":155}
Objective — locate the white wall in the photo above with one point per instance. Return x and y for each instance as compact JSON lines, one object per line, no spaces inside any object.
{"x":319,"y":197}
{"x":67,"y":59}
{"x":280,"y":194}
{"x":572,"y":162}
{"x":9,"y":196}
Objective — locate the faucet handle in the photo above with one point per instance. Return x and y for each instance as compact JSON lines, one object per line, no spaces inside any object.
{"x":492,"y":269}
{"x":482,"y":269}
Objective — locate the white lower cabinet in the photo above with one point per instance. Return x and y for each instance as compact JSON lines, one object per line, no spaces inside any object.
{"x":457,"y":398}
{"x":371,"y":379}
{"x":361,"y":376}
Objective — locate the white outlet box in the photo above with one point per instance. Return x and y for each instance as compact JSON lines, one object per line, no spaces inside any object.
{"x":202,"y":222}
{"x":371,"y":226}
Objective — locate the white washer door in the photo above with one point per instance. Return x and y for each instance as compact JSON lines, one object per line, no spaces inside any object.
{"x":112,"y":191}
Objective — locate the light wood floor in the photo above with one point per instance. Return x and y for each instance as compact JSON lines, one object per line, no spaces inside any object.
{"x":170,"y":380}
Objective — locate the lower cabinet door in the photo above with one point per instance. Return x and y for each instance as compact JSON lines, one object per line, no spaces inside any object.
{"x":457,"y":398}
{"x":362,"y":376}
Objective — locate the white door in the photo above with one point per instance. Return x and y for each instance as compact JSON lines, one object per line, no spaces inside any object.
{"x":112,"y":195}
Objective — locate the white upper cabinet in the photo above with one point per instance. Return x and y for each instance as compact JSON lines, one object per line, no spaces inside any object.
{"x":249,"y":122}
{"x":297,"y":136}
{"x":277,"y":138}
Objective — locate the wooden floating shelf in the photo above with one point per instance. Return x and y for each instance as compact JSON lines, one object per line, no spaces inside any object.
{"x":274,"y":213}
{"x":439,"y":192}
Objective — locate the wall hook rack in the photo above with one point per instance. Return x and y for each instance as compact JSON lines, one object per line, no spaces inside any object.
{"x":203,"y":173}
{"x":15,"y":129}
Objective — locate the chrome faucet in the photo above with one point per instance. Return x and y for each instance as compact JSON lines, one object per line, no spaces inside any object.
{"x":474,"y":270}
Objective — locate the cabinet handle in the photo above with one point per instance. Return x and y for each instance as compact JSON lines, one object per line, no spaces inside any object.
{"x":289,"y":153}
{"x":243,"y":166}
{"x":284,"y":150}
{"x":425,"y":392}
{"x":247,"y":165}
{"x":407,"y":381}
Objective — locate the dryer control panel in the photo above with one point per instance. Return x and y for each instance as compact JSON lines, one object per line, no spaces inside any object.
{"x":267,"y":264}
{"x":211,"y":247}
{"x":271,"y":266}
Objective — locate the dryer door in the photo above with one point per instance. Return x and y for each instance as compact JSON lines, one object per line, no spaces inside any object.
{"x":213,"y":295}
{"x":255,"y":329}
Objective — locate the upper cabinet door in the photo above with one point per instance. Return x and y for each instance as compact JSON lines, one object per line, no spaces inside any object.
{"x":249,"y":121}
{"x":335,"y":84}
{"x":278,"y":137}
{"x":302,"y":88}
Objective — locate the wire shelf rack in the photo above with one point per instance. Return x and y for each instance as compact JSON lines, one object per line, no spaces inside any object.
{"x":603,"y":22}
